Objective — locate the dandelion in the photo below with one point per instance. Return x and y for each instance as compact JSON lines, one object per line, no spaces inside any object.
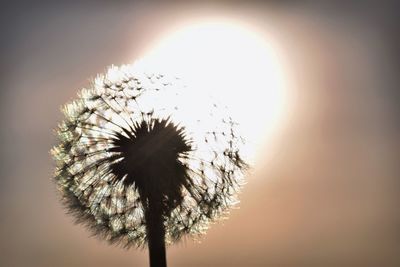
{"x":138,"y":169}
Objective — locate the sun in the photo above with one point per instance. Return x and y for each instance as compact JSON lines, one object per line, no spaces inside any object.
{"x":233,"y":62}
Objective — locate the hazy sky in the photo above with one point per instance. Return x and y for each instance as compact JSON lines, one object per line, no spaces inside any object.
{"x":324,"y":190}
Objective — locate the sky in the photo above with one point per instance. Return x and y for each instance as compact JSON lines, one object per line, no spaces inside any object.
{"x":324,"y":185}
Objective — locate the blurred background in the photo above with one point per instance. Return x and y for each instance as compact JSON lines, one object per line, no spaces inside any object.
{"x":324,"y":188}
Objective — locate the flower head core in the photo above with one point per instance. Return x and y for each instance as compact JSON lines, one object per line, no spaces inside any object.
{"x":150,"y":157}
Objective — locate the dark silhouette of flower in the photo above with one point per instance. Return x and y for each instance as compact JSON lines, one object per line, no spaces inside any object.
{"x":131,"y":167}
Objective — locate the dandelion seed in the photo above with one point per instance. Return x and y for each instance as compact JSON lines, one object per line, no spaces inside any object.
{"x":131,"y":169}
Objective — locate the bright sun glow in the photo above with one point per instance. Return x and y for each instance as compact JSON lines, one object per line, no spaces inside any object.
{"x":233,"y":63}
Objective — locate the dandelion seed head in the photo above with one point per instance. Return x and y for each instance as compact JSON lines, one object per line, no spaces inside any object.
{"x":128,"y":139}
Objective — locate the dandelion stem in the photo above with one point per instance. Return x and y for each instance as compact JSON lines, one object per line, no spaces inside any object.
{"x":156,"y":234}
